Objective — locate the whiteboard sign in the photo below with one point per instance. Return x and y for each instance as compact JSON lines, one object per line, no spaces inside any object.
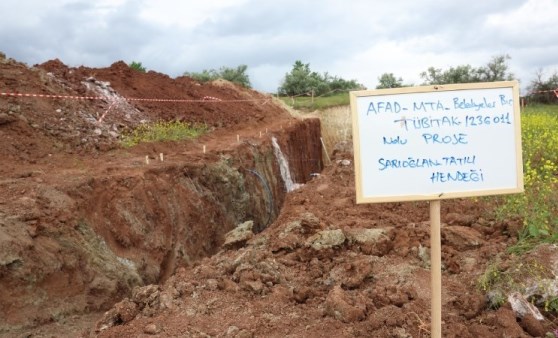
{"x":437,"y":142}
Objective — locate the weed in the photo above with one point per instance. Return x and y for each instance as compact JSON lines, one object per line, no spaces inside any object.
{"x":163,"y":131}
{"x":137,"y":66}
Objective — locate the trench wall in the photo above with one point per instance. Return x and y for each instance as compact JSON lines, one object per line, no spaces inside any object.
{"x":122,"y":230}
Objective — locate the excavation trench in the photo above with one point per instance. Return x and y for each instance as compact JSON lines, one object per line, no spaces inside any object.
{"x":131,"y":228}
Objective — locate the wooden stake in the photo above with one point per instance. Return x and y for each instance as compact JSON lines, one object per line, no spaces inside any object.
{"x":266,"y":130}
{"x":436,"y":269}
{"x":260,"y":133}
{"x":204,"y":148}
{"x":146,"y":159}
{"x":238,"y":138}
{"x":161,"y":156}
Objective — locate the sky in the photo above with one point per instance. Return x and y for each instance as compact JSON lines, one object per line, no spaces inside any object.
{"x":352,"y":39}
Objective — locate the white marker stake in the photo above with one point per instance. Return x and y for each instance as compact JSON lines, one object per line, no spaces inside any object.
{"x":436,"y":269}
{"x":161,"y":156}
{"x":204,"y":148}
{"x":146,"y":159}
{"x":238,"y":138}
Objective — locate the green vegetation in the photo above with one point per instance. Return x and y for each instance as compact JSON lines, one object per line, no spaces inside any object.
{"x":388,"y":80}
{"x":538,"y":206}
{"x":137,"y":66}
{"x":163,"y":131}
{"x":495,"y":70}
{"x":303,"y":81}
{"x":235,"y":75}
{"x":306,"y":103}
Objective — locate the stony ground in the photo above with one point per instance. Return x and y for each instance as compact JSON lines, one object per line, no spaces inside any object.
{"x":325,"y":267}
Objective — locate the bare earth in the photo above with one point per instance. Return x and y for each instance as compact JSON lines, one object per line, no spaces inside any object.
{"x":323,"y":266}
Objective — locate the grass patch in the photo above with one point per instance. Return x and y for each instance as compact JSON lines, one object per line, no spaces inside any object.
{"x":306,"y":103}
{"x":163,"y":131}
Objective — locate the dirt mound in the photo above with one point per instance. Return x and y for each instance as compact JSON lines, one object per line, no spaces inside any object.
{"x":88,"y":108}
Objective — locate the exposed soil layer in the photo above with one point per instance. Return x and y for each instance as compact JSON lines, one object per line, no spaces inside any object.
{"x":96,"y":242}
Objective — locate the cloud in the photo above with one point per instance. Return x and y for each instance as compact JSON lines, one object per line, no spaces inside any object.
{"x":359,"y":39}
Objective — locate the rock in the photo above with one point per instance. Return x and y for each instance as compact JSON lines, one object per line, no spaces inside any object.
{"x":5,"y":118}
{"x":151,"y":329}
{"x":147,"y":298}
{"x":462,"y":238}
{"x":326,"y":239}
{"x":521,"y":306}
{"x":237,"y":237}
{"x":97,"y":131}
{"x":370,"y":241}
{"x":232,"y":331}
{"x":459,"y":219}
{"x":532,"y":326}
{"x":352,"y":274}
{"x":341,"y":306}
{"x":302,"y":293}
{"x":309,"y":222}
{"x":121,"y":313}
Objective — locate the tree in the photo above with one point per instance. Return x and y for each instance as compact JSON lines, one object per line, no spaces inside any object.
{"x":301,"y":80}
{"x":495,"y":70}
{"x":236,"y":75}
{"x":388,"y":80}
{"x":137,"y":66}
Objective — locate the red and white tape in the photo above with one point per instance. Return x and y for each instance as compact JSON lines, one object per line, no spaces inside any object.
{"x":115,"y":102}
{"x":73,"y":97}
{"x":50,"y":96}
{"x":555,"y":91}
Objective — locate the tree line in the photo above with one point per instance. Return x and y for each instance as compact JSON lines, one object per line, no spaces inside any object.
{"x":301,"y":80}
{"x":497,"y":69}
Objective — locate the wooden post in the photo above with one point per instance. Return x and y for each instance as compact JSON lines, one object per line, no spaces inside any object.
{"x":204,"y":148}
{"x":161,"y":157}
{"x":238,"y":138}
{"x":436,"y":269}
{"x":146,"y":159}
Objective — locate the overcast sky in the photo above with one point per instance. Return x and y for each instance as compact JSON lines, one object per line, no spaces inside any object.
{"x":353,"y":39}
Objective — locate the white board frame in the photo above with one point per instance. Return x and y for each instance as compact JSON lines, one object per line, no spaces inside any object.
{"x":364,"y":145}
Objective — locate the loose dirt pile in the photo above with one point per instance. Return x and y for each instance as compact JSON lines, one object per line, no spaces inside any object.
{"x":324,"y":267}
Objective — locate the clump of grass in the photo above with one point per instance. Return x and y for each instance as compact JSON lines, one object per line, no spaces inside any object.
{"x":538,"y":206}
{"x":163,"y":131}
